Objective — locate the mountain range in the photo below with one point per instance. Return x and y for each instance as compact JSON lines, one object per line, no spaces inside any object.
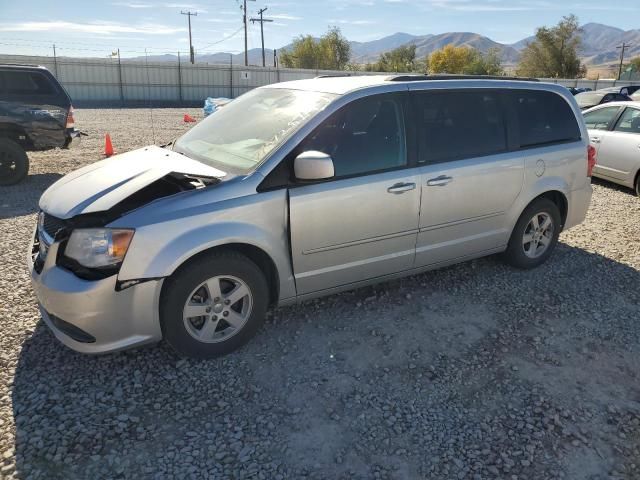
{"x":599,"y":44}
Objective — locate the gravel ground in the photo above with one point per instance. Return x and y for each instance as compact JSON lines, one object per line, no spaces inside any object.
{"x":475,"y":371}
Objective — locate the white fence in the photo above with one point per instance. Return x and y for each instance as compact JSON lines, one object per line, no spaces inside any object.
{"x":107,"y":82}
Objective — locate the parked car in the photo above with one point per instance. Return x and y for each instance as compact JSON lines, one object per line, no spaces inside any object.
{"x":303,"y":189}
{"x":577,"y":90}
{"x":35,"y":114}
{"x":591,"y":99}
{"x":614,"y":130}
{"x":623,"y":89}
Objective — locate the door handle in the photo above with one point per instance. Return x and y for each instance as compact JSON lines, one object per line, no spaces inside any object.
{"x":401,"y":188}
{"x":440,"y":181}
{"x":595,"y":140}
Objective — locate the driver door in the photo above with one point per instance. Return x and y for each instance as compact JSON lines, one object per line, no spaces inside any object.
{"x":362,"y":223}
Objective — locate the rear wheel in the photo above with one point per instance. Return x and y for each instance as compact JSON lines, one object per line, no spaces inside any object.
{"x":638,"y":184}
{"x":535,"y":235}
{"x":213,"y":306}
{"x":14,"y":164}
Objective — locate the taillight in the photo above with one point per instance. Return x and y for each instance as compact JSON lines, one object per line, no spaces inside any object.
{"x":591,"y":159}
{"x":70,"y":121}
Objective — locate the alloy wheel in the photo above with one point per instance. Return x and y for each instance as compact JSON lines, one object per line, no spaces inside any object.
{"x":217,"y":309}
{"x":538,"y":235}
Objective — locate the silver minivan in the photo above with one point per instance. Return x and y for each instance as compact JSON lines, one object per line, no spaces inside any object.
{"x":303,"y":189}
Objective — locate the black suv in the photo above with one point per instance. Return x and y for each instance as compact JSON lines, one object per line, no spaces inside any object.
{"x":35,"y":114}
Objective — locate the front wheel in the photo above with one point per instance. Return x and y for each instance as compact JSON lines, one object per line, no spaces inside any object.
{"x":535,"y":235}
{"x":14,"y":163}
{"x":213,"y":306}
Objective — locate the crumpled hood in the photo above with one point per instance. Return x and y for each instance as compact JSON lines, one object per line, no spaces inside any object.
{"x":100,"y":186}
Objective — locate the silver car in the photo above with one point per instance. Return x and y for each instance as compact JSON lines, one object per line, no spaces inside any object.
{"x":614,"y":130}
{"x":303,"y":189}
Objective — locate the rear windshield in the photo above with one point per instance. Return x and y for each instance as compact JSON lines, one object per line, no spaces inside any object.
{"x":588,"y":98}
{"x":27,"y":83}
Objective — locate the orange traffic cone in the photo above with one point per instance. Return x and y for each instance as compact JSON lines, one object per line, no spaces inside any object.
{"x":108,"y":148}
{"x":188,"y":118}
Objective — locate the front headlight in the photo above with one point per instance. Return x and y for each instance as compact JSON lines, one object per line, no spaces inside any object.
{"x":98,"y":247}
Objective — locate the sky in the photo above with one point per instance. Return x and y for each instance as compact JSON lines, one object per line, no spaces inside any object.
{"x":96,"y":28}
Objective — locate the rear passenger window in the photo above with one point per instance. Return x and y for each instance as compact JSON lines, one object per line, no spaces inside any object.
{"x":456,"y":125}
{"x":544,"y":118}
{"x":27,"y":83}
{"x":629,"y":121}
{"x":600,"y":119}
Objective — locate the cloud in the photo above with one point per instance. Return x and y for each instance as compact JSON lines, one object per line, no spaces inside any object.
{"x":284,"y":16}
{"x":352,"y":22}
{"x":132,"y":5}
{"x":98,"y":28}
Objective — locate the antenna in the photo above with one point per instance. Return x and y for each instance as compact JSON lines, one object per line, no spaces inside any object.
{"x":262,"y":20}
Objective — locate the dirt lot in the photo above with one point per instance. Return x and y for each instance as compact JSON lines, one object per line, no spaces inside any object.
{"x":475,"y":371}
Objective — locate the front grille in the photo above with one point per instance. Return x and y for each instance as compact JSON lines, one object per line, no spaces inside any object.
{"x":52,"y":225}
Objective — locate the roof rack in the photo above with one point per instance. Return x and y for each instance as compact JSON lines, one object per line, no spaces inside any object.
{"x":420,"y":78}
{"x":335,"y":75}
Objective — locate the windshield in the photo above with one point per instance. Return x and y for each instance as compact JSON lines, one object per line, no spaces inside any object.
{"x":589,"y":98}
{"x":241,"y":134}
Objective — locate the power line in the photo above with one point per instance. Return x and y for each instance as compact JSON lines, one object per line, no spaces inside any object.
{"x":262,"y":21}
{"x":191,"y":52}
{"x":222,"y":40}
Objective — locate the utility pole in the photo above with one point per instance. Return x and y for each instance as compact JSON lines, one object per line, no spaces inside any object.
{"x":262,"y":20}
{"x":192,"y":55}
{"x":622,"y":48}
{"x":244,"y":20}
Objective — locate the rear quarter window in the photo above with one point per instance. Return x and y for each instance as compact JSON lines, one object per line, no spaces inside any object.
{"x":544,"y":118}
{"x":27,"y":83}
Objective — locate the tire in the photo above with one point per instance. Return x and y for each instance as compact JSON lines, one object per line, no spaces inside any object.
{"x":14,"y":163}
{"x":526,"y":255}
{"x":222,"y":327}
{"x":638,"y":184}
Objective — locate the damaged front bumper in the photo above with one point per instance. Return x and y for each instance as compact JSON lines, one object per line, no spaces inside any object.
{"x":92,"y":316}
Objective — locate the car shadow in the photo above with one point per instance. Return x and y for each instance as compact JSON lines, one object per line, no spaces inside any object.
{"x":612,"y":186}
{"x":22,"y":199}
{"x":79,"y":416}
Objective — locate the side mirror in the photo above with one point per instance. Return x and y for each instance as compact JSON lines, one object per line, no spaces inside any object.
{"x":313,"y":165}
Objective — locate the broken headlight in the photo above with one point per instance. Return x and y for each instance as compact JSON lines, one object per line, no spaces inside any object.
{"x":98,"y":247}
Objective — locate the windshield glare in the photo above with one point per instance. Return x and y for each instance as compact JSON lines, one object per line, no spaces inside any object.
{"x":589,"y":98}
{"x":240,"y":135}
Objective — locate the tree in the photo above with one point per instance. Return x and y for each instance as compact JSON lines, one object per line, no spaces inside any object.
{"x":635,"y":64}
{"x":554,"y":52}
{"x":401,"y":59}
{"x":464,"y":60}
{"x":330,"y":52}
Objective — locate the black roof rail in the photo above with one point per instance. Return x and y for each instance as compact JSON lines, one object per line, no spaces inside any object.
{"x":20,"y":65}
{"x":335,"y":75}
{"x":420,"y":78}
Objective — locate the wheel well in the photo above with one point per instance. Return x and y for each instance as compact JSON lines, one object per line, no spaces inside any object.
{"x":15,"y":132}
{"x":559,"y":199}
{"x":636,"y":180}
{"x":256,"y":255}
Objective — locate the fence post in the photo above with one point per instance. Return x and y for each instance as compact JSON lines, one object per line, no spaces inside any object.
{"x":230,"y":75}
{"x":55,"y":62}
{"x":179,"y":80}
{"x":120,"y":79}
